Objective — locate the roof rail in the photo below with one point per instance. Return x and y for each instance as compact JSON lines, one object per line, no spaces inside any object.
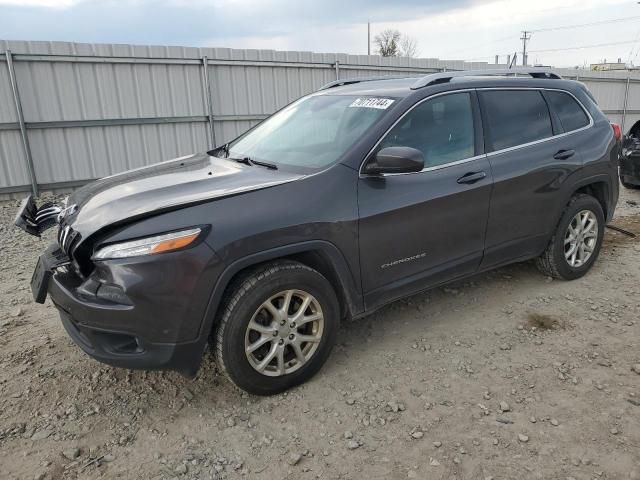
{"x":351,"y":81}
{"x":444,"y":77}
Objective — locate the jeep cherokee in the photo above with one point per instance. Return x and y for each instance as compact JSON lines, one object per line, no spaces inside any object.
{"x":359,"y":194}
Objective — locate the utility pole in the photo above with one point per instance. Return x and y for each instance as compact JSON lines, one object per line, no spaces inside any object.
{"x":368,"y":38}
{"x":526,"y":36}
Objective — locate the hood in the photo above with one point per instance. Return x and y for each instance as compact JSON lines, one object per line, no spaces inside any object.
{"x":164,"y":186}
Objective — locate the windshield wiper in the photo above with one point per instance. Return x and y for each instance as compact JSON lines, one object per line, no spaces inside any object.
{"x":270,"y":166}
{"x":249,"y":161}
{"x":245,"y":160}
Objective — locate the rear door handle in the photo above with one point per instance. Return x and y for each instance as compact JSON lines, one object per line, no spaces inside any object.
{"x":472,"y":177}
{"x":564,"y":154}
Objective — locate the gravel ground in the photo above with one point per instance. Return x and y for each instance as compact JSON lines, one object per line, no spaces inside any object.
{"x":506,"y":375}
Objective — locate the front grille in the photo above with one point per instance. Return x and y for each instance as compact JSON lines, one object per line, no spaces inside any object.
{"x":67,"y":238}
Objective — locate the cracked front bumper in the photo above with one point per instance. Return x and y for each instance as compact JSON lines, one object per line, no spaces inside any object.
{"x":143,"y":312}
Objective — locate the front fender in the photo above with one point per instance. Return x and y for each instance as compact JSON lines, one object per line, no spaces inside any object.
{"x":329,"y":252}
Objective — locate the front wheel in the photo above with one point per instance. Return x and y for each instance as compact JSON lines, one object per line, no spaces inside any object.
{"x":576,"y":243}
{"x":278,"y":327}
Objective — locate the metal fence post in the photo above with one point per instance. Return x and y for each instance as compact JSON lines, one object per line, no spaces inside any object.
{"x":337,"y":69}
{"x":208,"y":101}
{"x":23,"y":130}
{"x":626,"y":100}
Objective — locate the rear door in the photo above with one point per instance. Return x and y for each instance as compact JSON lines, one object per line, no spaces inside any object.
{"x":419,"y":229}
{"x":532,"y":157}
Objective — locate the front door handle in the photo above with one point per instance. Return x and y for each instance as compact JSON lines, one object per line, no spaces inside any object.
{"x":472,"y":177}
{"x":564,"y":154}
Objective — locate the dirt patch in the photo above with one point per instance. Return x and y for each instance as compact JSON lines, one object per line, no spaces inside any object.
{"x":544,"y":322}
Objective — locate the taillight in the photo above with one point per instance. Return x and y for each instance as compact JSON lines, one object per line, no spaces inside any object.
{"x":617,"y":131}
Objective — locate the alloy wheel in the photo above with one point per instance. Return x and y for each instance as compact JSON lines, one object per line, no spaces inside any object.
{"x":580,"y":238}
{"x":284,"y":333}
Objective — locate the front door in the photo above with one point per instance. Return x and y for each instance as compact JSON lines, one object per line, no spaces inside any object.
{"x":420,"y":229}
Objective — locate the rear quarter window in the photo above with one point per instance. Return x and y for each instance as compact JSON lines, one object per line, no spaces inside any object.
{"x":515,"y":117}
{"x":572,"y":116}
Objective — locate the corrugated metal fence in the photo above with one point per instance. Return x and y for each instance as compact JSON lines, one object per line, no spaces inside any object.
{"x":70,"y":112}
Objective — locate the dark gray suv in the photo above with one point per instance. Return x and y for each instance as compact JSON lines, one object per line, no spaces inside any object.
{"x":348,"y":199}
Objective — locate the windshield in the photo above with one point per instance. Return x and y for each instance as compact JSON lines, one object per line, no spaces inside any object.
{"x":311,"y":133}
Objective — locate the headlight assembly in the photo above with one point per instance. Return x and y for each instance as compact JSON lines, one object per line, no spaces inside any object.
{"x":167,"y":242}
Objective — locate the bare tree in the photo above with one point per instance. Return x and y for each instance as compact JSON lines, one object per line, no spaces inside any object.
{"x":392,"y":43}
{"x":408,"y":46}
{"x":387,"y":42}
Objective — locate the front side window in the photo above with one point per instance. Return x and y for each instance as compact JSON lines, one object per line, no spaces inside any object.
{"x":515,"y":117}
{"x":571,"y":115}
{"x":311,"y":133}
{"x":441,"y":128}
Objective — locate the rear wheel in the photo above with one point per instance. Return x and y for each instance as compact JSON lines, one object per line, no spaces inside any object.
{"x":277,"y":329}
{"x":576,"y":243}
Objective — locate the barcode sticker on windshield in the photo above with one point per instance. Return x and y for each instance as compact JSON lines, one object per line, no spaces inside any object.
{"x":379,"y":103}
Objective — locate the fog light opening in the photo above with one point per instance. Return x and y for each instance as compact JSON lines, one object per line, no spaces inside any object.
{"x":121,"y":343}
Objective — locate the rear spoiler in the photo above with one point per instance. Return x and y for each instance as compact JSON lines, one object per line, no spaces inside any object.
{"x":34,"y":220}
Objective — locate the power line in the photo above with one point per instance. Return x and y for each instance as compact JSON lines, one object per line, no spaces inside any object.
{"x":491,"y":57}
{"x":633,"y":47}
{"x":579,"y":47}
{"x":528,"y":33}
{"x":580,"y":25}
{"x":483,"y":45}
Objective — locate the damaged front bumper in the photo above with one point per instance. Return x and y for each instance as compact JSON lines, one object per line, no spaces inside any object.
{"x":34,"y":220}
{"x":132,"y":313}
{"x":142,"y":312}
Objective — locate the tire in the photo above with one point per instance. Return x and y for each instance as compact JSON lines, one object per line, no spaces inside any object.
{"x":554,"y":262}
{"x":245,"y":306}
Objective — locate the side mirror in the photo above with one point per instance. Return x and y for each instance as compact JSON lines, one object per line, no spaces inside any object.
{"x":396,"y":160}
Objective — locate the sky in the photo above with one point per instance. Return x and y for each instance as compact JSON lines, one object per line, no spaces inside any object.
{"x":452,"y":30}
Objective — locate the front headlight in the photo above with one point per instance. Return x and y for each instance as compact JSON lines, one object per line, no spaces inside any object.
{"x":167,"y":242}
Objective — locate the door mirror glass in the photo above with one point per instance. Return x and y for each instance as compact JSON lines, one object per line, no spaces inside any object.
{"x":396,"y":160}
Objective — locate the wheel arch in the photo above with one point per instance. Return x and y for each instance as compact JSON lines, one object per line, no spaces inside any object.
{"x":599,"y":189}
{"x":554,"y":261}
{"x":320,"y":255}
{"x":598,"y":186}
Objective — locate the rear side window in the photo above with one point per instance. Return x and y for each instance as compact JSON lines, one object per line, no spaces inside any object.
{"x":515,"y":117}
{"x":572,"y":116}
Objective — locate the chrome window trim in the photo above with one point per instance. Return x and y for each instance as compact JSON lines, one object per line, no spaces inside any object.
{"x":361,"y":174}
